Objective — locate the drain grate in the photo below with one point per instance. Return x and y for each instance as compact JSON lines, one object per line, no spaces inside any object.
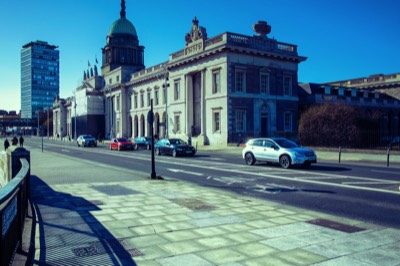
{"x":134,"y":252}
{"x":193,"y":204}
{"x":118,"y":246}
{"x":115,"y":190}
{"x":336,"y":226}
{"x":83,"y":203}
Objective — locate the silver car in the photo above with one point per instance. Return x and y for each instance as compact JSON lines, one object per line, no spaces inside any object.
{"x":277,"y":150}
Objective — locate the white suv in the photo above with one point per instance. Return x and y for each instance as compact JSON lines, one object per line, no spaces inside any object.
{"x":277,"y":150}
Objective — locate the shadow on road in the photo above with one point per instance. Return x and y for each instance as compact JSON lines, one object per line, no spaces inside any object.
{"x":69,"y":233}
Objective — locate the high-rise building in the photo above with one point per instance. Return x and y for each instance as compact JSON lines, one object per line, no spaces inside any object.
{"x":40,"y":79}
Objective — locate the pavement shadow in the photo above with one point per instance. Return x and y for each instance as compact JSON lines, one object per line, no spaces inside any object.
{"x":69,"y":233}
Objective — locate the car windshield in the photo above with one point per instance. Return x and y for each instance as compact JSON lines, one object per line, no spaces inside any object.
{"x":176,"y":141}
{"x":147,"y":138}
{"x":284,"y":143}
{"x":87,"y":137}
{"x":122,"y":140}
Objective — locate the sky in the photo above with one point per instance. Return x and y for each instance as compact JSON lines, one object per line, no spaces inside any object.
{"x":342,"y":39}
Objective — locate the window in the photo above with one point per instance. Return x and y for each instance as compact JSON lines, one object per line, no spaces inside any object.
{"x":217,"y":121}
{"x":156,"y":96}
{"x":240,"y":120}
{"x":264,"y":83}
{"x":327,"y":90}
{"x":287,"y":121}
{"x":353,"y":92}
{"x":216,"y":81}
{"x":164,"y":95}
{"x":109,"y":81}
{"x":118,"y":127}
{"x":141,"y":100}
{"x":177,"y":123}
{"x":341,"y":91}
{"x":148,"y":98}
{"x":287,"y":86}
{"x":117,"y":79}
{"x":177,"y":90}
{"x":240,"y":81}
{"x":118,"y":103}
{"x":135,"y":101}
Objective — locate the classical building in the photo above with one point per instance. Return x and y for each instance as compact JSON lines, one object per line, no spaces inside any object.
{"x":39,"y":77}
{"x":216,"y":90}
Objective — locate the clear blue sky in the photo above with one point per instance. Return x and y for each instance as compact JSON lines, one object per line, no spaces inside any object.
{"x":342,"y":39}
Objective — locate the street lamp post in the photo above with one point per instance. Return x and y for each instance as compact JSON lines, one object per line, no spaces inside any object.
{"x":110,"y":113}
{"x":38,"y":115}
{"x":75,"y":137}
{"x":166,"y":105}
{"x":48,"y":124}
{"x":165,"y":69}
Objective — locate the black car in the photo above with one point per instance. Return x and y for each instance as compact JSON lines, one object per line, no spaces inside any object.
{"x":142,"y":142}
{"x":174,"y":147}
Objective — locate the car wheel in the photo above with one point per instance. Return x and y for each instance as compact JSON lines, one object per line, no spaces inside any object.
{"x":174,"y":153}
{"x":284,"y":161}
{"x":249,"y":158}
{"x":78,"y":144}
{"x":158,"y":151}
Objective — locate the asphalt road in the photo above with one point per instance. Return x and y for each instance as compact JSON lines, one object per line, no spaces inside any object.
{"x":366,"y":192}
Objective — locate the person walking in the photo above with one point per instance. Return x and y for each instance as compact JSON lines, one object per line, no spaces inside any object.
{"x":6,"y":144}
{"x":14,"y":141}
{"x":21,"y":141}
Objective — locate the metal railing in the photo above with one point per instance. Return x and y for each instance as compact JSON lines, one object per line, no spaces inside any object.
{"x":13,"y":209}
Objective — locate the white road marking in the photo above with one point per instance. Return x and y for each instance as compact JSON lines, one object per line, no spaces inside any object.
{"x":370,"y":183}
{"x":386,"y":172}
{"x":185,"y":172}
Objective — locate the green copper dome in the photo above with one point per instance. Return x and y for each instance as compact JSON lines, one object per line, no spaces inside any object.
{"x":122,"y":26}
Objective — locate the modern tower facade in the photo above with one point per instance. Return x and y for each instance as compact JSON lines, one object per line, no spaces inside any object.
{"x":40,"y":78}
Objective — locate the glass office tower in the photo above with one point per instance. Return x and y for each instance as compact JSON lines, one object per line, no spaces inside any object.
{"x":40,"y":79}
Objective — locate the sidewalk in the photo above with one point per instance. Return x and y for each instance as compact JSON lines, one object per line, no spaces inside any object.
{"x":89,"y":214}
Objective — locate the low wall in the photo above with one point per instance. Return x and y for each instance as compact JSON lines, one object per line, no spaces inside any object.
{"x":3,"y":169}
{"x":14,"y":197}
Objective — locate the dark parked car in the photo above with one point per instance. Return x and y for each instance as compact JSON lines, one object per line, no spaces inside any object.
{"x":86,"y":141}
{"x":174,"y":147}
{"x":142,"y":142}
{"x":121,"y":144}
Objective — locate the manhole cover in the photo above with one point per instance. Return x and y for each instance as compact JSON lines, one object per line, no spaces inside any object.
{"x":193,"y":204}
{"x":115,"y":190}
{"x":336,"y":226}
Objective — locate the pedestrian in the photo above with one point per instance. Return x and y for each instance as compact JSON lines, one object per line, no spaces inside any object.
{"x":21,"y":141}
{"x":6,"y":144}
{"x":14,"y":141}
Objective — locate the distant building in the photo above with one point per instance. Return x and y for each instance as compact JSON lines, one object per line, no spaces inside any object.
{"x":366,"y":97}
{"x":40,"y":82}
{"x":387,"y":84}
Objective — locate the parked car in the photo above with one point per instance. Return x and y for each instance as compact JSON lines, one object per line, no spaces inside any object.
{"x":174,"y":147}
{"x":142,"y":142}
{"x":277,"y":150}
{"x":86,"y":141}
{"x":121,"y":144}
